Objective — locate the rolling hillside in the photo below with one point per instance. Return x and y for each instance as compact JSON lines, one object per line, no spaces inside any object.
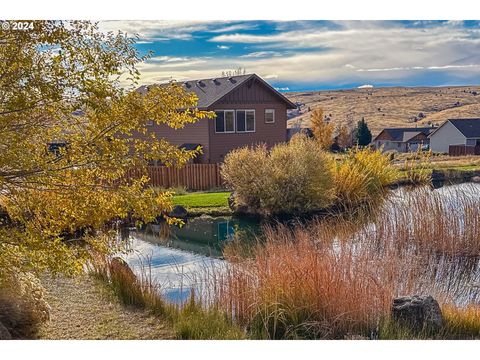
{"x":388,"y":107}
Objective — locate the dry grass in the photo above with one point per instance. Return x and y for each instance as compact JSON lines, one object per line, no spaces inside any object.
{"x":191,"y":320}
{"x":389,"y":107}
{"x":338,"y":279}
{"x":84,"y":308}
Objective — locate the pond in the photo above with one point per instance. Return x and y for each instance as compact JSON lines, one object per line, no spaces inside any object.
{"x":182,"y":259}
{"x":179,"y":258}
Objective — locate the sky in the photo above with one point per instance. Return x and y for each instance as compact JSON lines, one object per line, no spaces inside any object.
{"x":310,"y":55}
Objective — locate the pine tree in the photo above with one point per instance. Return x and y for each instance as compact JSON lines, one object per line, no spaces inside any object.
{"x":363,"y":136}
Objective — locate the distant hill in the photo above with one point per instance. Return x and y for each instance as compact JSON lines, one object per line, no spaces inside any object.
{"x":388,"y":107}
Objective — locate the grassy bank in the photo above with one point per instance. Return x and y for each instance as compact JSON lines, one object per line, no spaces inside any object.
{"x":209,"y":203}
{"x":189,"y":321}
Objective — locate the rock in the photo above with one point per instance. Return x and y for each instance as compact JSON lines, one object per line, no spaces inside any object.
{"x":119,"y":267}
{"x":239,"y":209}
{"x":231,"y":202}
{"x":4,"y":333}
{"x":178,"y":211}
{"x":476,"y":179}
{"x":418,"y":313}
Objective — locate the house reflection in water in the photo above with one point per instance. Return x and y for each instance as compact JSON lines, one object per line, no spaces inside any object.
{"x":202,"y":235}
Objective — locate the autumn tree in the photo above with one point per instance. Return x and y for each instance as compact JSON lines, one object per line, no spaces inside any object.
{"x":322,"y":130}
{"x":68,"y":109}
{"x":344,"y":137}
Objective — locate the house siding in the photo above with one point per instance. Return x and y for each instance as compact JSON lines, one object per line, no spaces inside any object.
{"x":196,"y":133}
{"x":445,"y":136}
{"x":390,"y":145}
{"x":249,"y":96}
{"x":265,"y":133}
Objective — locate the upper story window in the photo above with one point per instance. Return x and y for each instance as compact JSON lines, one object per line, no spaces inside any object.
{"x":245,"y":120}
{"x":269,"y":116}
{"x":230,"y":121}
{"x":225,"y":121}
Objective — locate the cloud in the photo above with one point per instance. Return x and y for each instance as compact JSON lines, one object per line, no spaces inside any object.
{"x":443,"y":67}
{"x":342,"y":52}
{"x":235,"y":27}
{"x":161,"y":30}
{"x":261,"y":54}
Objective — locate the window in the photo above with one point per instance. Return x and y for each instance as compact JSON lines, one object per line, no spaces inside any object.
{"x":225,"y":121}
{"x":245,"y":120}
{"x":229,"y":121}
{"x":269,"y":116}
{"x":149,"y":122}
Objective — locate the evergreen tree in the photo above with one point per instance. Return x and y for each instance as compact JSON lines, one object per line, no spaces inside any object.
{"x":363,"y":136}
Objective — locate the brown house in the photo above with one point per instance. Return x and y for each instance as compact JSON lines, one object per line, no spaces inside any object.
{"x":249,"y":111}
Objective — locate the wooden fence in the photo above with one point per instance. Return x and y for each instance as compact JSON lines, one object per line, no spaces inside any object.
{"x":460,"y":150}
{"x":191,"y":176}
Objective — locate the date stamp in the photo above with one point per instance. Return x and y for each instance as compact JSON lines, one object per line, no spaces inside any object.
{"x":16,"y":25}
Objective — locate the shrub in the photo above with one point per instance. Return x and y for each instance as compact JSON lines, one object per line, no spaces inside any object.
{"x":291,"y":177}
{"x":22,"y":305}
{"x":363,"y":174}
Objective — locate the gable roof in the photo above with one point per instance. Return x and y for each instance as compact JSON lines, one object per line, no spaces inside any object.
{"x":210,"y":91}
{"x":470,"y":128}
{"x":405,"y":134}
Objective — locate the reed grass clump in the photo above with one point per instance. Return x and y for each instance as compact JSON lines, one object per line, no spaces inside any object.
{"x":191,"y":320}
{"x":362,"y":175}
{"x":337,"y":279}
{"x":139,"y":291}
{"x":301,"y":286}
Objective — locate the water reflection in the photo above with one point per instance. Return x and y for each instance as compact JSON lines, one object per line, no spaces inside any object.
{"x":182,"y":259}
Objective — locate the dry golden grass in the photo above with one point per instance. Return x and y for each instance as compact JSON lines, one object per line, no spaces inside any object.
{"x":390,"y":107}
{"x":84,"y":308}
{"x":338,"y":279}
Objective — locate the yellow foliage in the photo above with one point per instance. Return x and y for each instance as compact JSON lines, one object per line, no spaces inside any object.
{"x":322,"y":130}
{"x":363,"y":173}
{"x":67,"y":116}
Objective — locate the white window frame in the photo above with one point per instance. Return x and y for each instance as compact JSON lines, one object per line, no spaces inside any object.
{"x":254,"y":121}
{"x":225,"y":121}
{"x":273,"y":112}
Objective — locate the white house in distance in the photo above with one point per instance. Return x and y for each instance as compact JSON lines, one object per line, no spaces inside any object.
{"x":455,"y":132}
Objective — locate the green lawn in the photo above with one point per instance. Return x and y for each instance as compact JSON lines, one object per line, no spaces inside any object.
{"x":202,"y":199}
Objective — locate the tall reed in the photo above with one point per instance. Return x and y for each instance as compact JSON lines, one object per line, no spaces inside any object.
{"x":335,"y":279}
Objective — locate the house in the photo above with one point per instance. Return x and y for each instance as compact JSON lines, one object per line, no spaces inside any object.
{"x":248,"y":111}
{"x":402,"y":139}
{"x":464,"y":132}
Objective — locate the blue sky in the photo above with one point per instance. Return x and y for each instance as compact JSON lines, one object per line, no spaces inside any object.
{"x":311,"y":55}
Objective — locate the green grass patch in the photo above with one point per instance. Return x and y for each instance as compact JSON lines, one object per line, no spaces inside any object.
{"x":202,"y":199}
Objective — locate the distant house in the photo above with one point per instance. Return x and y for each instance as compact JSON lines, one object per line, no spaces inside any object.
{"x":464,"y":132}
{"x":249,"y":111}
{"x":402,"y":139}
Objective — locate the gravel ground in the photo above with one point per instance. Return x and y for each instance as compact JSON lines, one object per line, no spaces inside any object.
{"x":84,"y":308}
